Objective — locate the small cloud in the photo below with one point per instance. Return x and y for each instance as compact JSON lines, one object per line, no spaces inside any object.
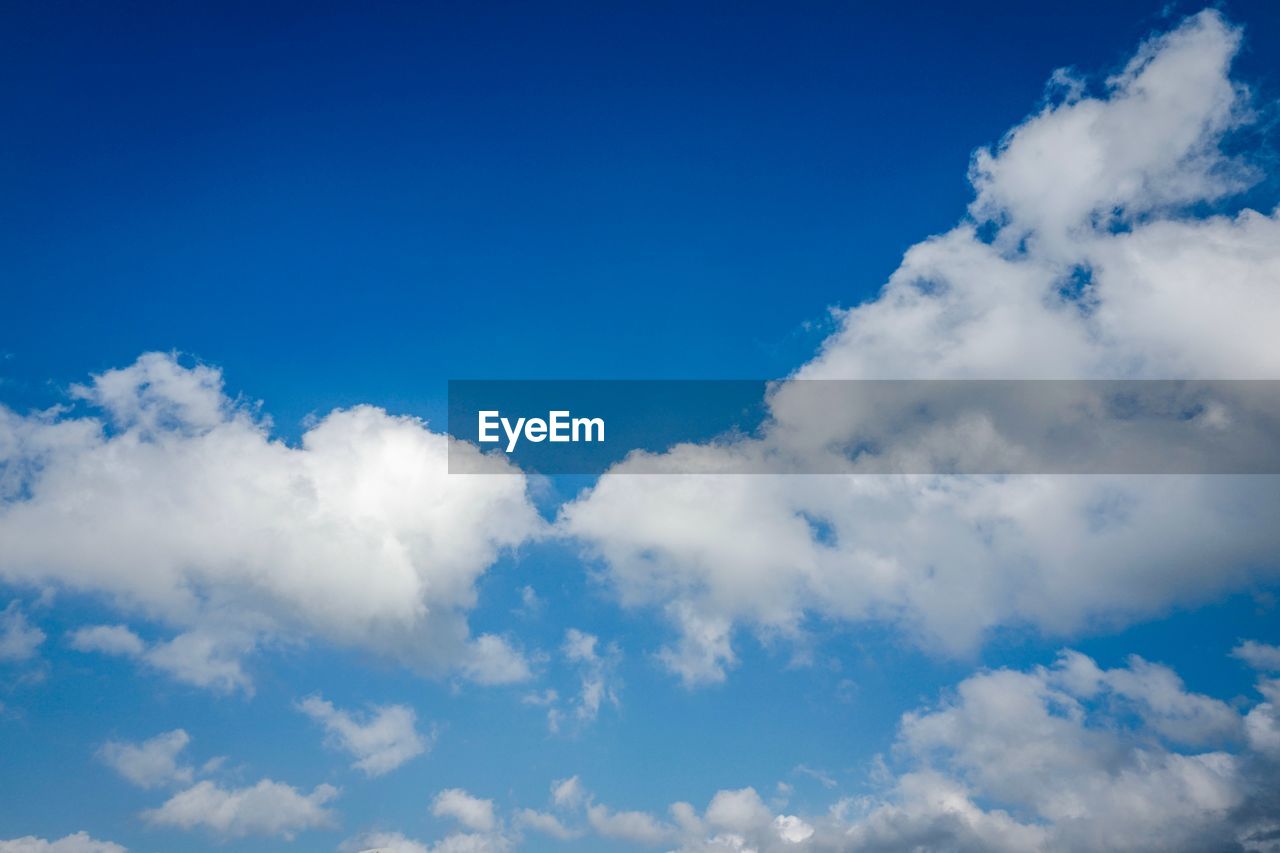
{"x":568,"y":793}
{"x":546,"y":823}
{"x":108,"y":640}
{"x":530,"y":603}
{"x":18,"y":638}
{"x":472,"y":812}
{"x":202,"y":658}
{"x":540,"y":698}
{"x":149,"y":763}
{"x":492,"y":660}
{"x":381,"y":739}
{"x":598,"y":684}
{"x":822,"y":776}
{"x":637,"y":827}
{"x":1259,"y":656}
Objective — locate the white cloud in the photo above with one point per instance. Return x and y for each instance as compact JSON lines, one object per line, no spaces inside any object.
{"x":568,"y":793}
{"x":490,"y":659}
{"x":472,"y":812}
{"x":472,"y":842}
{"x":634,"y":826}
{"x":80,"y":842}
{"x":205,"y":658}
{"x":598,"y":684}
{"x":1061,"y":748}
{"x":381,"y":740}
{"x":18,"y":638}
{"x":739,"y":811}
{"x":395,"y":842}
{"x":1053,"y":759}
{"x":792,"y":829}
{"x":267,"y":808}
{"x":1091,"y":187}
{"x":383,"y":842}
{"x":208,"y":657}
{"x":1259,"y":656}
{"x":149,"y":763}
{"x":1149,"y":143}
{"x":485,"y":832}
{"x":108,"y":639}
{"x":172,"y":499}
{"x":545,"y":823}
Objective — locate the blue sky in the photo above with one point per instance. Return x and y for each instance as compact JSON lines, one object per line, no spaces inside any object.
{"x":327,"y":207}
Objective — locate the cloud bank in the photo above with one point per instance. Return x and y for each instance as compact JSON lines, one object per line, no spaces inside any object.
{"x":172,"y":499}
{"x":1085,"y":254}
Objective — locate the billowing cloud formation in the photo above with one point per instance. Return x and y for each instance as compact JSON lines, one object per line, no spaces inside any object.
{"x":381,"y":740}
{"x":1067,"y":757}
{"x":150,"y":763}
{"x":174,"y":500}
{"x":1079,"y":259}
{"x":1054,"y":744}
{"x":80,"y":842}
{"x":267,"y":808}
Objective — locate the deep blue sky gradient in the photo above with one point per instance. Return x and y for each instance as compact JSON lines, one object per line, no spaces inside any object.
{"x":341,"y":203}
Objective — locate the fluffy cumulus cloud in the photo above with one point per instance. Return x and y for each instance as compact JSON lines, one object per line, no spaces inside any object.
{"x":169,"y":497}
{"x":732,"y":820}
{"x":268,"y":808}
{"x":203,"y":657}
{"x":480,"y":829}
{"x":380,"y":740}
{"x":1085,"y":254}
{"x":149,"y":763}
{"x":1071,"y":756}
{"x":472,"y":812}
{"x":80,"y":842}
{"x":1087,"y":758}
{"x":1260,"y":656}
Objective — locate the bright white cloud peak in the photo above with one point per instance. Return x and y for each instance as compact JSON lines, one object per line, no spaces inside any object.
{"x":175,"y":501}
{"x":1078,"y":260}
{"x":380,"y":740}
